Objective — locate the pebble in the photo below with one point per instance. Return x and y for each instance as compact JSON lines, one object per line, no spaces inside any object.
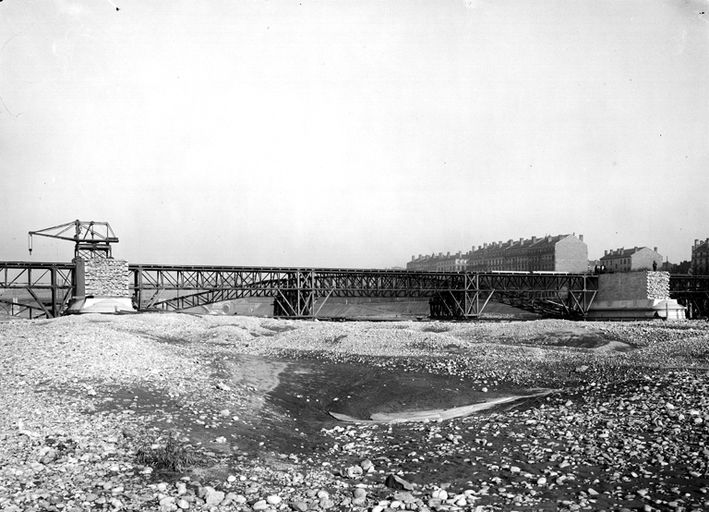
{"x":354,"y":471}
{"x":299,"y":505}
{"x":439,"y":494}
{"x":212,"y":497}
{"x":396,"y":482}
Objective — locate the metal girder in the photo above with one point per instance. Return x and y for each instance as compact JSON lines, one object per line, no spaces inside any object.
{"x":37,"y":289}
{"x":301,"y":293}
{"x":692,"y":292}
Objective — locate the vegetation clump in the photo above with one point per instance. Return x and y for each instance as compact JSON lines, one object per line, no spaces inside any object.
{"x":166,"y":454}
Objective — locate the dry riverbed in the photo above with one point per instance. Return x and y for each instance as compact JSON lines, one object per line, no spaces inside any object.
{"x":180,"y":412}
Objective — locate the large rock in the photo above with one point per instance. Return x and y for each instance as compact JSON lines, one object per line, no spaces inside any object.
{"x":212,"y":497}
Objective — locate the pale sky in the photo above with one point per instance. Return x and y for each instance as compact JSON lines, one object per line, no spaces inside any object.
{"x":352,"y":133}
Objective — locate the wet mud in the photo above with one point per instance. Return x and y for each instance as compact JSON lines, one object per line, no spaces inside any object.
{"x":314,"y":391}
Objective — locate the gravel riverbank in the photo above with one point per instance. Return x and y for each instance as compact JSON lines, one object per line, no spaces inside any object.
{"x":97,"y":409}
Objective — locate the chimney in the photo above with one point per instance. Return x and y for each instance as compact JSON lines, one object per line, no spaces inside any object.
{"x":581,"y":237}
{"x":654,"y":249}
{"x":534,"y":239}
{"x":605,"y":253}
{"x":521,"y":240}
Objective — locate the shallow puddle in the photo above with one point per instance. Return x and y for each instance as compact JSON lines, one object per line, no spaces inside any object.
{"x":582,"y":340}
{"x":317,"y":392}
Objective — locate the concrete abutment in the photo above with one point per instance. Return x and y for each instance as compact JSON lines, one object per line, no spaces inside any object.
{"x":635,"y":295}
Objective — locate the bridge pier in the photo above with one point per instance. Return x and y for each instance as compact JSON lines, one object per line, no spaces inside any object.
{"x":101,"y":285}
{"x":463,"y":300}
{"x":294,"y":303}
{"x":297,"y":297}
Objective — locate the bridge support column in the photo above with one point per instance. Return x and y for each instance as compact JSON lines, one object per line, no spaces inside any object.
{"x":297,"y":298}
{"x":464,"y":300}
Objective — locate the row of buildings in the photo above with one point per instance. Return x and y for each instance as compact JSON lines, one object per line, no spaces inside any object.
{"x":700,"y":257}
{"x":559,"y":253}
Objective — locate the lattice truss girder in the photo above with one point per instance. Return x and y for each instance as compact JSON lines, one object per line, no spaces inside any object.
{"x":692,"y":292}
{"x":303,"y":292}
{"x":35,"y":290}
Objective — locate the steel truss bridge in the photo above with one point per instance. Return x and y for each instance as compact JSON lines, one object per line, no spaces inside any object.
{"x":36,"y":290}
{"x":301,"y":293}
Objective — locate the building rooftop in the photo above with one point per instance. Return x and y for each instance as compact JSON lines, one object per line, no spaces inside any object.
{"x":622,"y":252}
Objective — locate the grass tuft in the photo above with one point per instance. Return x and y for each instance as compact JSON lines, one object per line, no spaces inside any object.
{"x":165,"y":454}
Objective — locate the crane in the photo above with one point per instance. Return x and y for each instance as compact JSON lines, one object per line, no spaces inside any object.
{"x":90,"y":238}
